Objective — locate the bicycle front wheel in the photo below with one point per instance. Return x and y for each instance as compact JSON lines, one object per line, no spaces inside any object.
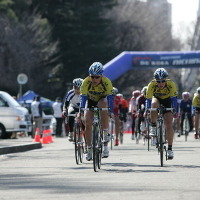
{"x":96,"y":152}
{"x":161,"y":144}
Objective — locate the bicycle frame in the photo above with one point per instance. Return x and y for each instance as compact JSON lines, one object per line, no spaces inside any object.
{"x":97,"y":137}
{"x":161,"y":132}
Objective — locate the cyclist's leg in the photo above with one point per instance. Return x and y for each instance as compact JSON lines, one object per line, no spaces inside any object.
{"x":105,"y":123}
{"x":104,"y":114}
{"x":153,"y":116}
{"x":71,"y":110}
{"x":88,"y":118}
{"x":133,"y":126}
{"x":190,"y":121}
{"x":196,"y":124}
{"x":168,"y":118}
{"x":182,"y":119}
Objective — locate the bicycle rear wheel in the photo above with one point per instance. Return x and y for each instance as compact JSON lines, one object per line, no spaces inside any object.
{"x":76,"y":136}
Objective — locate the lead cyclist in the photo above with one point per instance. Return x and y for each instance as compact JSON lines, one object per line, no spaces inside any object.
{"x":96,"y":91}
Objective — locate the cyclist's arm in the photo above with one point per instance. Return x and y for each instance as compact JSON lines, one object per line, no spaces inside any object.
{"x":173,"y":95}
{"x":109,"y":94}
{"x":149,"y":95}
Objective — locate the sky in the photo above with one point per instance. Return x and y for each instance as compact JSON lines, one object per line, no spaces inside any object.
{"x":183,"y":12}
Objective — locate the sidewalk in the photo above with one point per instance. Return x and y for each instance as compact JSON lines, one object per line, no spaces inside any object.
{"x":18,"y":145}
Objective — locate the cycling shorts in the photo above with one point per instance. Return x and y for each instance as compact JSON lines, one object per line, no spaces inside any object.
{"x":90,"y":103}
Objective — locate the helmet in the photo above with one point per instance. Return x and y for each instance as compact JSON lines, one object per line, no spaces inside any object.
{"x":115,"y":91}
{"x":120,"y":95}
{"x":77,"y":82}
{"x":136,"y":93}
{"x":160,"y":73}
{"x":198,"y":90}
{"x":96,"y":69}
{"x":144,"y":89}
{"x":185,"y":94}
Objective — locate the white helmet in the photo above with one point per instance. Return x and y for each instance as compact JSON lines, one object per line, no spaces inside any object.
{"x":115,"y":91}
{"x":120,"y":95}
{"x":77,"y":82}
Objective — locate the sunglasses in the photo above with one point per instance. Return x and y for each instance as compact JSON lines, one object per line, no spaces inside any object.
{"x":96,"y":77}
{"x":160,"y":81}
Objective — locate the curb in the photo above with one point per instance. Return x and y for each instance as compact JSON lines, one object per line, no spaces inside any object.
{"x":20,"y":148}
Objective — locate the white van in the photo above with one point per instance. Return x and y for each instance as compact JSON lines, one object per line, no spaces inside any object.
{"x":13,"y":117}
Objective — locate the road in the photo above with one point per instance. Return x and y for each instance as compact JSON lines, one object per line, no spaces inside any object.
{"x":131,"y":172}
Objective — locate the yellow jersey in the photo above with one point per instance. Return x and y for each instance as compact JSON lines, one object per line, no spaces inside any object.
{"x":196,"y":100}
{"x":95,"y":93}
{"x":170,"y":90}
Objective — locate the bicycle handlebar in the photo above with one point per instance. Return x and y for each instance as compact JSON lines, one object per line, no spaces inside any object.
{"x":164,"y":109}
{"x":94,"y":109}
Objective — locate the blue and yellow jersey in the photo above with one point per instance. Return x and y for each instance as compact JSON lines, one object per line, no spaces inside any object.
{"x":196,"y":101}
{"x":170,"y":90}
{"x":95,"y":93}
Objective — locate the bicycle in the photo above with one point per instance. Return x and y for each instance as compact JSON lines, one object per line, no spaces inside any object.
{"x":79,"y":139}
{"x":97,"y":137}
{"x":161,"y":133}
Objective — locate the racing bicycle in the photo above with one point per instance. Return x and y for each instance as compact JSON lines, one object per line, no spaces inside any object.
{"x":97,"y":137}
{"x":79,"y":139}
{"x":161,"y":133}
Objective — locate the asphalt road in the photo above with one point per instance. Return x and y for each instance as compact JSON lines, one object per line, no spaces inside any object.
{"x":131,"y":172}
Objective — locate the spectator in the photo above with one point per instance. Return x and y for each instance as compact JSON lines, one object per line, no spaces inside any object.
{"x":57,"y":110}
{"x":36,"y":110}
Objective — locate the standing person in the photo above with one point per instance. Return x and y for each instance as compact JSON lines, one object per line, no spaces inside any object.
{"x":162,"y":91}
{"x":57,"y":110}
{"x":186,"y":107}
{"x":96,"y":90}
{"x":196,"y":107}
{"x":36,"y":110}
{"x":71,"y":105}
{"x":132,"y":110}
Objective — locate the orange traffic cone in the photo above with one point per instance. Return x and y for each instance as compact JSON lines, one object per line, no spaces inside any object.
{"x":49,"y":135}
{"x":45,"y":137}
{"x":37,"y":135}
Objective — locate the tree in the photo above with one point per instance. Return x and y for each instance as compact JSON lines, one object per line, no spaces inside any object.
{"x":26,"y":48}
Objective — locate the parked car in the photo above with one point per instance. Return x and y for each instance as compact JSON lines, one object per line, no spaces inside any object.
{"x":13,"y":117}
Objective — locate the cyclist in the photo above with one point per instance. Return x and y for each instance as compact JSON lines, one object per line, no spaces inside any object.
{"x":71,"y":104}
{"x":162,"y":91}
{"x":123,"y":108}
{"x":196,"y":107}
{"x":140,"y":103}
{"x":117,"y":105}
{"x":186,"y":107}
{"x":96,"y":90}
{"x":132,"y":110}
